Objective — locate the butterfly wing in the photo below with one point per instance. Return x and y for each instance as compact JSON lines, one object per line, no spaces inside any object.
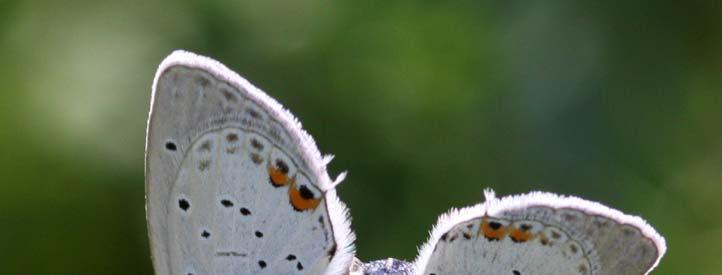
{"x":540,"y":233}
{"x":233,"y":184}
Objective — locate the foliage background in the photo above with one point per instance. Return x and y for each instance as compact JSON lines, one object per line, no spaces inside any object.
{"x":424,"y":103}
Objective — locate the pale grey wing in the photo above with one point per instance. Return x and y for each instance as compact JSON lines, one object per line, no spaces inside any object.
{"x":540,"y":233}
{"x":233,"y":184}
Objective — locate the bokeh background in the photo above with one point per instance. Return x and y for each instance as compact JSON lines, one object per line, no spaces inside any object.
{"x":425,"y":104}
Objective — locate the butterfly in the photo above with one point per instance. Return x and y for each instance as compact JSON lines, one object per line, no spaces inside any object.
{"x":234,"y":185}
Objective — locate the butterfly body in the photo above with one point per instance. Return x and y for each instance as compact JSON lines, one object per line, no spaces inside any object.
{"x":235,"y":186}
{"x":388,"y":266}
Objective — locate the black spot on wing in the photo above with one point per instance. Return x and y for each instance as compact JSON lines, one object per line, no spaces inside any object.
{"x":184,"y":204}
{"x":232,"y":137}
{"x":282,"y":166}
{"x":170,"y":146}
{"x":253,"y":113}
{"x":227,"y":203}
{"x":256,"y":144}
{"x":305,"y":192}
{"x":332,"y":250}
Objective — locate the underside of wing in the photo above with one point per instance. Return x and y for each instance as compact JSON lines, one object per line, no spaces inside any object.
{"x":540,"y":233}
{"x":233,"y":184}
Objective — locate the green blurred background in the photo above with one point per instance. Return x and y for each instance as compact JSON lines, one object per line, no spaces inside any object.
{"x":424,"y":103}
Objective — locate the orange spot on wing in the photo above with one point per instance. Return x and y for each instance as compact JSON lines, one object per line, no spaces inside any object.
{"x":491,"y":232}
{"x":520,"y":236}
{"x":278,"y":178}
{"x":299,"y":202}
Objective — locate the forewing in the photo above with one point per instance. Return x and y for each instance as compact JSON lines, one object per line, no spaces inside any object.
{"x":233,"y":184}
